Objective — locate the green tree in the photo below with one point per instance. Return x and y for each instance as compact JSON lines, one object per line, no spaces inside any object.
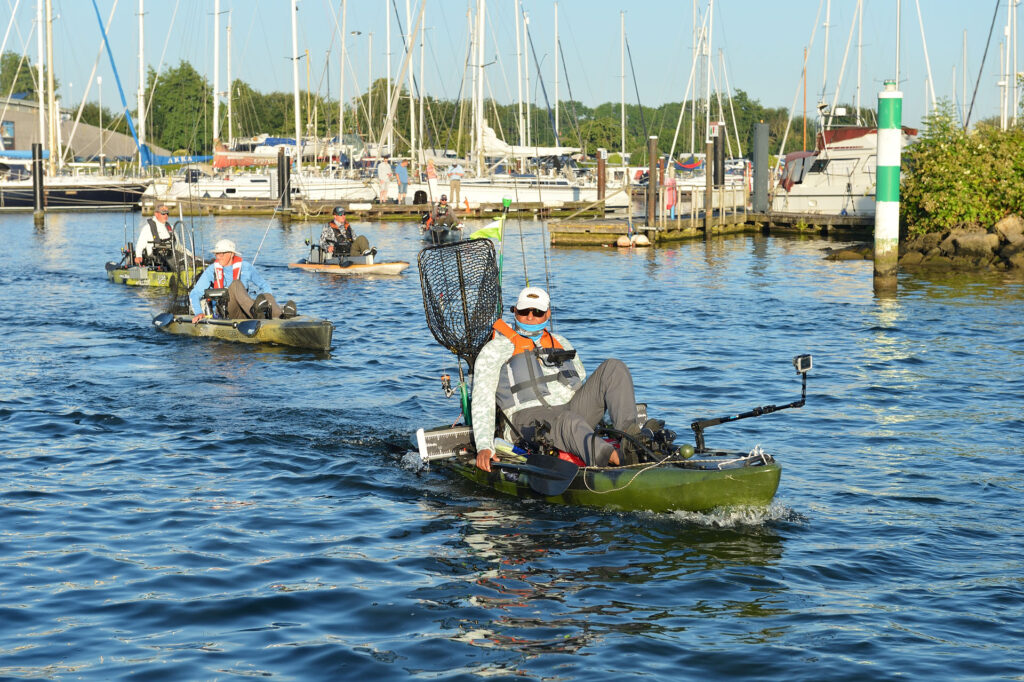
{"x":18,"y":71}
{"x":955,"y":178}
{"x":180,"y":115}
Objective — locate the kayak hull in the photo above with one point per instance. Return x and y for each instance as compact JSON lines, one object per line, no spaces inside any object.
{"x":147,"y":277}
{"x":355,"y":269}
{"x":311,"y":333}
{"x":706,"y":481}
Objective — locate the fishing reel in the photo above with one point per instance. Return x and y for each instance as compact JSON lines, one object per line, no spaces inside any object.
{"x":446,"y":386}
{"x":215,"y":303}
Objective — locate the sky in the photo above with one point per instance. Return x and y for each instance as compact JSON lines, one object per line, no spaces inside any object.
{"x":761,"y":41}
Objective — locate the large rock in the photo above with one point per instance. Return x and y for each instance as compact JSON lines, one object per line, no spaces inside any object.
{"x":911,"y":258}
{"x":1017,"y":261}
{"x":1011,"y":229}
{"x":1011,"y":250}
{"x":975,"y":245}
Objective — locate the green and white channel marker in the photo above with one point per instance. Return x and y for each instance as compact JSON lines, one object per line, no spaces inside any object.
{"x":887,"y":185}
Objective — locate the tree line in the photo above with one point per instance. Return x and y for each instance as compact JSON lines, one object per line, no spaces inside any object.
{"x":180,"y":117}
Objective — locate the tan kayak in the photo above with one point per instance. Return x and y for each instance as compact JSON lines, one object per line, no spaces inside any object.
{"x":394,"y":268}
{"x":303,"y":331}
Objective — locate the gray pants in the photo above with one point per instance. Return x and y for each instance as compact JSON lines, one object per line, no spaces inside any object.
{"x":240,"y":303}
{"x":609,"y":388}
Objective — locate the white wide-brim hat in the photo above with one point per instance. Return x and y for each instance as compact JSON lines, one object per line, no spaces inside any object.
{"x":225,"y":246}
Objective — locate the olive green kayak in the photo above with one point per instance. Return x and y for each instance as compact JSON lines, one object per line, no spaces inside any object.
{"x":705,"y":481}
{"x":312,"y":333}
{"x":141,"y":276}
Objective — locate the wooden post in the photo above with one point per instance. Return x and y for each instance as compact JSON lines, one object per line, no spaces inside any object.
{"x":760,"y":201}
{"x":652,"y":179}
{"x":602,"y":155}
{"x":709,"y":163}
{"x":38,"y":190}
{"x":887,"y":192}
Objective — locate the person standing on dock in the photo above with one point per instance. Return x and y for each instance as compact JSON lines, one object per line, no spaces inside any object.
{"x":455,"y":174}
{"x":232,"y":277}
{"x":384,"y":176}
{"x":402,"y":173}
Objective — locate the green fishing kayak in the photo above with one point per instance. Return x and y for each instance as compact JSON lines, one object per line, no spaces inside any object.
{"x":312,"y":333}
{"x":141,"y":276}
{"x":708,"y":480}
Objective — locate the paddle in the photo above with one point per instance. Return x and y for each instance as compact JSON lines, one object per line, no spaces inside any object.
{"x":246,"y":327}
{"x":548,"y":476}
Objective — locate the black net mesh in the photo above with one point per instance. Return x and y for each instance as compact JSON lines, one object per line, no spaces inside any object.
{"x":461,"y":294}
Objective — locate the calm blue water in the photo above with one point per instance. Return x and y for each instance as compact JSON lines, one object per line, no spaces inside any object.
{"x":176,"y":508}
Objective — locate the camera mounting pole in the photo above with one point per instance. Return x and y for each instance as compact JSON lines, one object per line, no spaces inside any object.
{"x":802,"y":363}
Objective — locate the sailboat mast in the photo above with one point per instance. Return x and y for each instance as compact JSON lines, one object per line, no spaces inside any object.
{"x":387,"y":41}
{"x":556,"y":73}
{"x":51,"y":97}
{"x":216,"y":73}
{"x":526,"y":71}
{"x":693,"y":69}
{"x":341,"y":85}
{"x":41,"y":89}
{"x":622,"y":86}
{"x":295,"y":86}
{"x":707,"y":81}
{"x":412,"y":100}
{"x":860,"y":44}
{"x":141,"y":100}
{"x":480,"y":87}
{"x":519,"y":74}
{"x":231,"y":135}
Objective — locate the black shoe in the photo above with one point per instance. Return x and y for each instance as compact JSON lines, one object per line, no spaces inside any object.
{"x":261,"y":308}
{"x":629,"y":448}
{"x":288,"y":310}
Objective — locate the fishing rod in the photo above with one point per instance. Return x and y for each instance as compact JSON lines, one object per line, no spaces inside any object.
{"x":802,"y":363}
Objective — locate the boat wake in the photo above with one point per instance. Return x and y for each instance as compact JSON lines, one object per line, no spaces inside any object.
{"x":738,"y":517}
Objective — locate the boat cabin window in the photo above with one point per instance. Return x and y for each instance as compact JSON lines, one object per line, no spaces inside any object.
{"x":819,"y":166}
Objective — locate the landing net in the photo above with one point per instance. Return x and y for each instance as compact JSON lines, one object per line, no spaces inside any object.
{"x":461,"y":294}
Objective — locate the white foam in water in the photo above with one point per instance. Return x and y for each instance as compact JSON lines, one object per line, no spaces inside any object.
{"x":737,"y":517}
{"x":413,"y":462}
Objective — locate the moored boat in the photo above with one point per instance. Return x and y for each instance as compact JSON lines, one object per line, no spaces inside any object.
{"x":302,"y":331}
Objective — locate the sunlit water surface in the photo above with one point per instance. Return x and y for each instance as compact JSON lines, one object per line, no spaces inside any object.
{"x":175,"y":508}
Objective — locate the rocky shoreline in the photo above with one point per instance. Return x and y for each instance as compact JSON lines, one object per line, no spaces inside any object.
{"x":969,"y":248}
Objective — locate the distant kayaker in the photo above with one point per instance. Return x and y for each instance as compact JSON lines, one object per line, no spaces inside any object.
{"x":442,"y":214}
{"x":155,"y":244}
{"x":233,"y":278}
{"x":337,"y":239}
{"x":536,"y":379}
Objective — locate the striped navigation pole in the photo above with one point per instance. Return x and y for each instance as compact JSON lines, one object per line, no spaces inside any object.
{"x":887,"y":185}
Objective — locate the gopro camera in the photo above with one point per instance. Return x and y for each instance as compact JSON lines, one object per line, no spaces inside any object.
{"x":802,"y":364}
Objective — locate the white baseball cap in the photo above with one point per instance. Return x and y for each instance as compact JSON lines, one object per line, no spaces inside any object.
{"x":225,"y":246}
{"x":533,"y":297}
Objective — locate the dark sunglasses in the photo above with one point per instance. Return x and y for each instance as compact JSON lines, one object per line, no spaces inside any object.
{"x":531,"y":311}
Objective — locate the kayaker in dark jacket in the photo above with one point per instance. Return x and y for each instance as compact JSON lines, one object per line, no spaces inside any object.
{"x":337,"y":239}
{"x":518,"y":373}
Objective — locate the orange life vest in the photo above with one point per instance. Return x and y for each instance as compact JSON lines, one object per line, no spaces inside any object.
{"x":523,"y":380}
{"x":520,"y":342}
{"x":218,"y":269}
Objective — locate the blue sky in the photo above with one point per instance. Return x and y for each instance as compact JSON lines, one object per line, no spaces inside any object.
{"x":762,"y":45}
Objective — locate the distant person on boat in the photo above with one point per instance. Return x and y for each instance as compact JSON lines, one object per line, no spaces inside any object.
{"x":538,"y":382}
{"x":402,"y":173}
{"x":156,"y":245}
{"x":337,"y":239}
{"x":455,"y":174}
{"x":225,"y":286}
{"x":384,"y":174}
{"x":442,"y":215}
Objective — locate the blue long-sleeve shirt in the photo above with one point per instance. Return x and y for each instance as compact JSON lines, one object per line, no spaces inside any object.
{"x":249,"y":276}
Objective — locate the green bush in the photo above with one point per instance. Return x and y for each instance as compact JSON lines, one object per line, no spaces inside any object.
{"x":955,"y":178}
